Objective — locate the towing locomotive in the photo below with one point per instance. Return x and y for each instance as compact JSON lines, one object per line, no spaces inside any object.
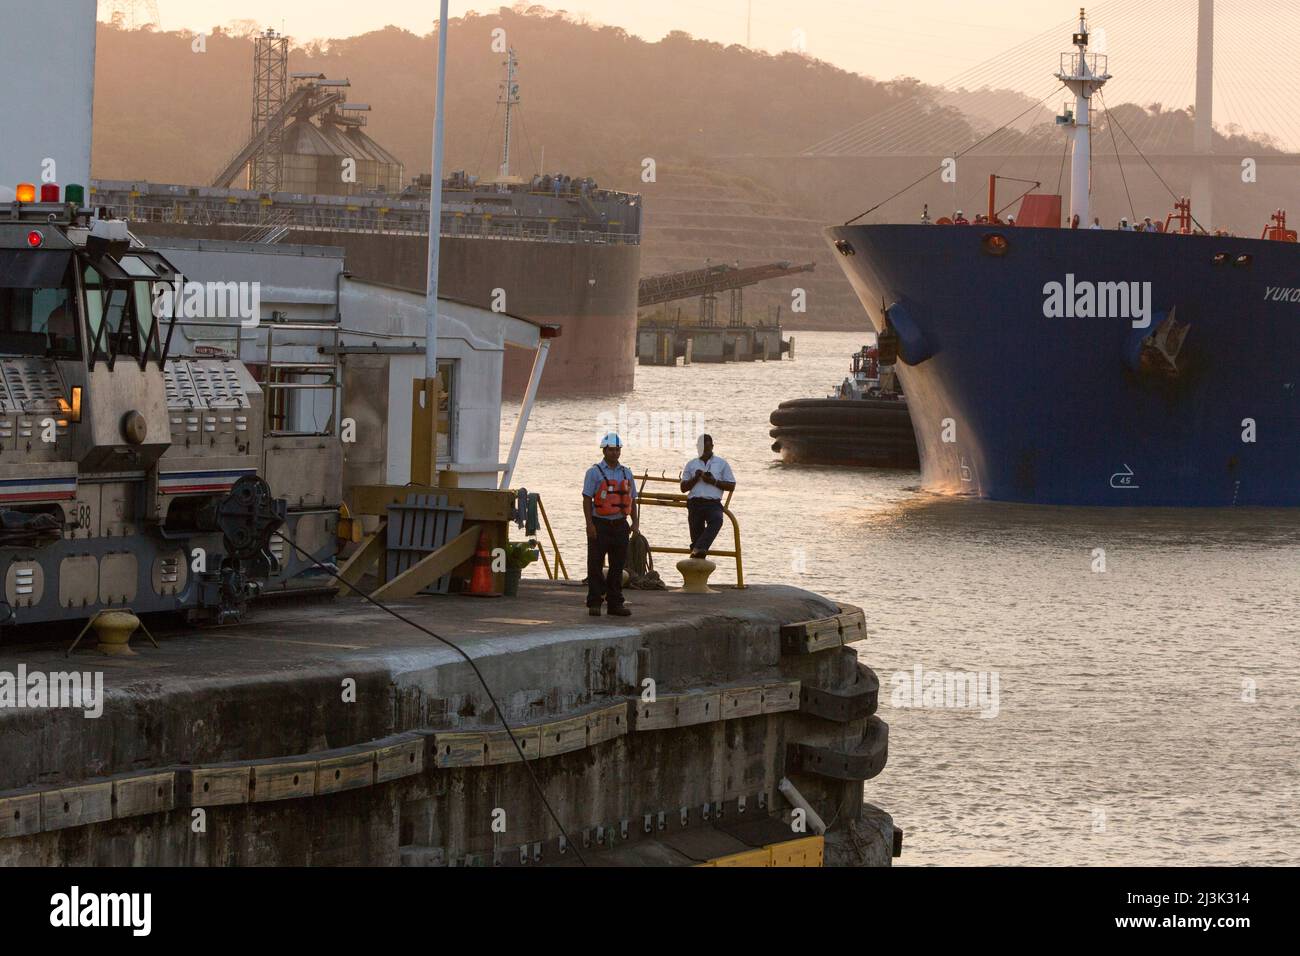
{"x":129,"y":479}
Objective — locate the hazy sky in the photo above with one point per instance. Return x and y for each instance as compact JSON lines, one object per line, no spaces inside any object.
{"x":1152,"y":43}
{"x":929,"y":39}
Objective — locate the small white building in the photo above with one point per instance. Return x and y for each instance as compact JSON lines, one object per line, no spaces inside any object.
{"x":312,"y":312}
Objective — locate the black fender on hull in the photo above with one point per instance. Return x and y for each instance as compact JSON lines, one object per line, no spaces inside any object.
{"x":875,"y":433}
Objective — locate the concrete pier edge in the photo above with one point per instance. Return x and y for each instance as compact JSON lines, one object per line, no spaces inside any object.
{"x":747,"y":684}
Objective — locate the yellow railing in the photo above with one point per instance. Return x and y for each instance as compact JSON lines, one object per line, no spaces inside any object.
{"x":678,"y":500}
{"x":555,"y":547}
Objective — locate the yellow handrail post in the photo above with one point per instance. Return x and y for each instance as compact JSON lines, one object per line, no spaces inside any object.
{"x":541,"y":552}
{"x":678,"y":500}
{"x":735,"y":527}
{"x":559,"y":558}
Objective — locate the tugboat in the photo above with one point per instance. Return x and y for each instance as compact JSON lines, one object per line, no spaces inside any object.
{"x":864,"y":422}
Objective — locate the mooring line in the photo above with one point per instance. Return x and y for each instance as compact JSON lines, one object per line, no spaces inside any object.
{"x":477,"y":673}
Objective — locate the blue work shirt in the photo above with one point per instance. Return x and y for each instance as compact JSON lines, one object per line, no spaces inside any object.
{"x":600,"y":472}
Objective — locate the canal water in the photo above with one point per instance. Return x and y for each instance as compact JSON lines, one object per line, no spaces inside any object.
{"x":1147,"y":713}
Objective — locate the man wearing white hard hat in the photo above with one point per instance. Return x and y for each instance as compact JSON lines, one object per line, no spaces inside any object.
{"x":608,"y":501}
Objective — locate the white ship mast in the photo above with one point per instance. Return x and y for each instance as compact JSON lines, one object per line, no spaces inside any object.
{"x":1083,"y":73}
{"x":510,"y":98}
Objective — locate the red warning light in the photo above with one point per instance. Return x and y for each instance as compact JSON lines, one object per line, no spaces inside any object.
{"x":49,"y":192}
{"x":35,"y":239}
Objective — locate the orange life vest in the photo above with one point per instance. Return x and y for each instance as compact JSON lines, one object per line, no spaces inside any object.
{"x":613,"y":496}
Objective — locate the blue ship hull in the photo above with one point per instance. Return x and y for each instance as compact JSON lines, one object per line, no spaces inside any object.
{"x":1012,"y":405}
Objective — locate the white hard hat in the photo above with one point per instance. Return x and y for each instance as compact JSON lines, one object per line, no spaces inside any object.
{"x":611,"y":440}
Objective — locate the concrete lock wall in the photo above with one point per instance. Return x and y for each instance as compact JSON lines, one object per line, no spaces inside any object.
{"x":445,"y":814}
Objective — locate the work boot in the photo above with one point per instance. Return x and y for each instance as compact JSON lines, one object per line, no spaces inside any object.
{"x":620,"y":611}
{"x":595,"y":611}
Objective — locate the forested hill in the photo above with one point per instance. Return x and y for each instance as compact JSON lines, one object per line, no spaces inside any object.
{"x":597,"y":99}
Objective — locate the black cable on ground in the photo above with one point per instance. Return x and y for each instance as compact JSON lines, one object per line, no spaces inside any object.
{"x":477,"y":673}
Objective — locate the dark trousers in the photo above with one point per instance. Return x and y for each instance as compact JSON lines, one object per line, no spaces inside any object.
{"x":705,"y":518}
{"x":611,"y":539}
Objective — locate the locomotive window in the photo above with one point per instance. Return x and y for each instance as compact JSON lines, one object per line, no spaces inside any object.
{"x":143,"y":308}
{"x":121,"y":322}
{"x":37,"y":311}
{"x":113,"y":308}
{"x":94,"y":303}
{"x":142,"y":292}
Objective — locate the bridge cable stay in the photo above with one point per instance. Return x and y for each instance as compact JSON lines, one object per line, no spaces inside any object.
{"x":1119,"y":162}
{"x":1168,"y":84}
{"x":1019,"y":143}
{"x":1026,"y":55}
{"x":1017,"y":151}
{"x":1041,"y":156}
{"x":958,"y":155}
{"x":1142,"y":30}
{"x":1239,"y":28}
{"x":1244,"y":101}
{"x":1225,"y":90}
{"x":1065,"y":155}
{"x":1173,"y":194}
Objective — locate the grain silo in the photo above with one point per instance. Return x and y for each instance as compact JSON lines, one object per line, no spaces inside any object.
{"x":306,"y":137}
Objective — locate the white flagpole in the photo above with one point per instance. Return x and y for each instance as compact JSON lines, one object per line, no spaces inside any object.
{"x":435,"y":204}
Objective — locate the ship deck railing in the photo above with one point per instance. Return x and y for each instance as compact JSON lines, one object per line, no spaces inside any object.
{"x":277,"y":220}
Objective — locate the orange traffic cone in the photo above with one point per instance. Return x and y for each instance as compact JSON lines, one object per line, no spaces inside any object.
{"x":480,"y":581}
